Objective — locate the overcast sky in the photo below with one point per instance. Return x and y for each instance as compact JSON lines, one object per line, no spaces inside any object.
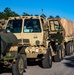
{"x":63,"y":8}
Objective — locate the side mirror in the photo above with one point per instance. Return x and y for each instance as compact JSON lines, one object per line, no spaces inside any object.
{"x":45,"y":27}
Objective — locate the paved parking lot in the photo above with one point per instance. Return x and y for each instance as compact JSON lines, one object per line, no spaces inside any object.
{"x":65,"y":67}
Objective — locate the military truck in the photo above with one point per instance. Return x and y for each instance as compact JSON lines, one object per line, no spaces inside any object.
{"x":39,"y":42}
{"x":69,"y":35}
{"x":66,"y":30}
{"x":10,"y":53}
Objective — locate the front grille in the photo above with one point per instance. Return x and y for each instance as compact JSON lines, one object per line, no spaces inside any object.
{"x":19,"y":41}
{"x":26,"y":41}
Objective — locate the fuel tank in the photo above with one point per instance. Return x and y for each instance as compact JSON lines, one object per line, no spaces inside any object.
{"x":7,"y":40}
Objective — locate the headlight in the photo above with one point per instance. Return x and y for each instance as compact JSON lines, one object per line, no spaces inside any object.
{"x":37,"y":42}
{"x":37,"y":50}
{"x":56,"y":43}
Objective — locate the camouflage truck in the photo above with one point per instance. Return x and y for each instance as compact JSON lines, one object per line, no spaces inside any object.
{"x":10,"y":53}
{"x":69,"y":35}
{"x":62,"y":27}
{"x":33,"y":33}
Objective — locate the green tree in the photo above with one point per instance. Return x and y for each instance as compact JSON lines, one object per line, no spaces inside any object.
{"x":2,"y":16}
{"x":9,"y":13}
{"x":14,"y":14}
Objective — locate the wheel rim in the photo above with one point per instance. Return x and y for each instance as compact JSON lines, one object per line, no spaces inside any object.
{"x":20,"y":66}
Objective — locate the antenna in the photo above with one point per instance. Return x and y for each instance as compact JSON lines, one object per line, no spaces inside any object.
{"x":42,"y":11}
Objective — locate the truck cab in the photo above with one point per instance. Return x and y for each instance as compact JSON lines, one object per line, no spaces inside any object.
{"x":56,"y":30}
{"x":29,"y":31}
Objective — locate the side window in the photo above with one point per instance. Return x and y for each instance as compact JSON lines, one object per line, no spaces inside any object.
{"x":32,"y":25}
{"x":54,"y":25}
{"x":14,"y":26}
{"x":51,"y":25}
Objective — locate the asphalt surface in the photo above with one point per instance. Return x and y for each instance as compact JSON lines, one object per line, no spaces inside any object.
{"x":65,"y":67}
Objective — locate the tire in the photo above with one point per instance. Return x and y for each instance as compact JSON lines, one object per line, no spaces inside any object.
{"x":62,"y":52}
{"x":18,"y":66}
{"x":1,"y":65}
{"x":25,"y":60}
{"x":72,"y":48}
{"x":58,"y":56}
{"x":1,"y":68}
{"x":68,"y":49}
{"x":71,"y":52}
{"x":47,"y":61}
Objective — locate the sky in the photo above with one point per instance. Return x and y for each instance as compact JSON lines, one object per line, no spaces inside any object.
{"x":63,"y":8}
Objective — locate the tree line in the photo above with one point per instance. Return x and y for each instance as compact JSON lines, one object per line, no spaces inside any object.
{"x":9,"y":13}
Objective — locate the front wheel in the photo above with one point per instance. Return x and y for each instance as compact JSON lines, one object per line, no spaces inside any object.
{"x":62,"y":52}
{"x":47,"y":61}
{"x":18,"y":66}
{"x":68,"y":49}
{"x":58,"y":56}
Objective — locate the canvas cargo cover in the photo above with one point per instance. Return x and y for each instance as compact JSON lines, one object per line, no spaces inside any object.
{"x":68,"y":26}
{"x":73,"y":28}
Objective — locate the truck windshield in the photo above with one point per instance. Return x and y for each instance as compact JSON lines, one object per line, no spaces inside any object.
{"x":55,"y":26}
{"x":14,"y":26}
{"x":32,"y":25}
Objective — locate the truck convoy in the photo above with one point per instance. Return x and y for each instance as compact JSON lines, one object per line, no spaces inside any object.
{"x":42,"y":39}
{"x":10,"y":53}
